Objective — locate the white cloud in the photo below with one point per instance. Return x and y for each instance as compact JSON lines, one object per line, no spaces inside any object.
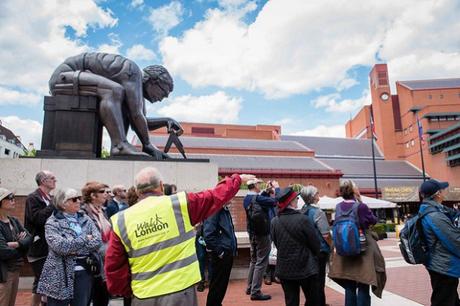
{"x":166,"y":17}
{"x":140,"y":53}
{"x":15,"y":97}
{"x":296,"y":46}
{"x":215,"y":108}
{"x":323,"y":131}
{"x":334,"y":102}
{"x":112,"y":47}
{"x":30,"y":131}
{"x":34,"y":39}
{"x":137,"y":3}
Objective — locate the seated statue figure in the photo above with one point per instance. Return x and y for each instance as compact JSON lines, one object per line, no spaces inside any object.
{"x":121,"y":87}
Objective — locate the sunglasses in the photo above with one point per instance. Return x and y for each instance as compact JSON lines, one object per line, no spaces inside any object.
{"x":103,"y":191}
{"x":10,"y":197}
{"x":75,"y":199}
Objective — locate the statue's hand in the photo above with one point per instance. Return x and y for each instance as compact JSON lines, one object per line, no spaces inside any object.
{"x":155,"y":152}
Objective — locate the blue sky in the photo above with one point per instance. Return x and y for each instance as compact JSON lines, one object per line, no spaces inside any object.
{"x":301,"y":64}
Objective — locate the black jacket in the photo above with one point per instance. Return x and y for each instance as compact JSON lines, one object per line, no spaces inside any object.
{"x":219,"y":233}
{"x":9,"y":257}
{"x":298,"y":245}
{"x":35,"y":217}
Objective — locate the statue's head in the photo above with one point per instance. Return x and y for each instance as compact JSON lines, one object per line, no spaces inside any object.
{"x":157,"y":83}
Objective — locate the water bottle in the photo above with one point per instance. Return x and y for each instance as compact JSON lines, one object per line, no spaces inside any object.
{"x":362,"y":240}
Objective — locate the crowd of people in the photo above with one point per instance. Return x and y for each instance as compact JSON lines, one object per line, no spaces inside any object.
{"x":151,"y":244}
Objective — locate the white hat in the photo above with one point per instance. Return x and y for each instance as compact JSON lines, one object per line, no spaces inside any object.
{"x":254,"y":181}
{"x":4,"y":193}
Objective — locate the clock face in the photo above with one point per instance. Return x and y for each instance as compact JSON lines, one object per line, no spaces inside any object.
{"x":384,"y":96}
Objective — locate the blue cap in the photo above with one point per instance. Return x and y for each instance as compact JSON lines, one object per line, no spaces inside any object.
{"x":430,"y":187}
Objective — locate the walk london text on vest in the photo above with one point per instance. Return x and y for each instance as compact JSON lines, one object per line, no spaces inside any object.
{"x":150,"y":227}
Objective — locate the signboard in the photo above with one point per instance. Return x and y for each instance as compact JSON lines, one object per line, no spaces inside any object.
{"x":410,"y":194}
{"x":401,"y":194}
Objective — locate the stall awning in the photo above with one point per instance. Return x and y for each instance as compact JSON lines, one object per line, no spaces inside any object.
{"x":328,"y":203}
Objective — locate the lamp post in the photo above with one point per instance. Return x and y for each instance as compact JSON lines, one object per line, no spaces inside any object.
{"x":415,"y":110}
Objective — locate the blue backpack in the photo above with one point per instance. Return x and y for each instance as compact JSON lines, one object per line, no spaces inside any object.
{"x":345,"y":231}
{"x":309,"y":211}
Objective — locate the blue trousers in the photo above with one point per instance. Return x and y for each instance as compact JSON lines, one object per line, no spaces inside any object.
{"x":357,"y":294}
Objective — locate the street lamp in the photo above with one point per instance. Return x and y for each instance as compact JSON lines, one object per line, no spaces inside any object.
{"x":415,"y":110}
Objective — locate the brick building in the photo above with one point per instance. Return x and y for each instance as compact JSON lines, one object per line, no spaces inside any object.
{"x":436,"y":104}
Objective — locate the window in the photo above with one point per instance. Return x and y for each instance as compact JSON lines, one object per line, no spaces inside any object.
{"x":434,"y":119}
{"x":202,"y":130}
{"x":443,"y":118}
{"x":405,"y":131}
{"x":441,"y":96}
{"x":412,"y":143}
{"x":407,"y":145}
{"x":7,"y":151}
{"x":410,"y":128}
{"x":451,"y":118}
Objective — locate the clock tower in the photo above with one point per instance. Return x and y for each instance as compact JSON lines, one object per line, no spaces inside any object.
{"x":383,"y":107}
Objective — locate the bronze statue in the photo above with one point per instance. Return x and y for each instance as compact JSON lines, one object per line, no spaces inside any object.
{"x":121,"y":87}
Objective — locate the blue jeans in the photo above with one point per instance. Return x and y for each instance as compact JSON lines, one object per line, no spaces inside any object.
{"x":356,"y":294}
{"x":203,"y":260}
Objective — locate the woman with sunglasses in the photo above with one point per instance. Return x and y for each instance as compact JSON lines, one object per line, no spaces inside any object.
{"x":95,"y":195}
{"x":14,"y":243}
{"x":71,"y":237}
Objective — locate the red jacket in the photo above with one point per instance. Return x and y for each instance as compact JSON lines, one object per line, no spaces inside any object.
{"x":201,"y":205}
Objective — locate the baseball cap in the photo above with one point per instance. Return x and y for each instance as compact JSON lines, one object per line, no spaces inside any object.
{"x":430,"y":187}
{"x":285,"y":197}
{"x":254,"y":181}
{"x":4,"y":193}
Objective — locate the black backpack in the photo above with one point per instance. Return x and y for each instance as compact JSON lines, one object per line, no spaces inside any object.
{"x":257,"y":218}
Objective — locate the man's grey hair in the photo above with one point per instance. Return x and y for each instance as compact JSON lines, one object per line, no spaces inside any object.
{"x":308,"y":194}
{"x":148,"y":179}
{"x":41,"y":176}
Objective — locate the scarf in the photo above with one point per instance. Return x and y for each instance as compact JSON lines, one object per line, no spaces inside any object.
{"x":99,"y":218}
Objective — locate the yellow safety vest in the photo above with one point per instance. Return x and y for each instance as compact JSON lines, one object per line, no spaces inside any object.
{"x":160,"y":242}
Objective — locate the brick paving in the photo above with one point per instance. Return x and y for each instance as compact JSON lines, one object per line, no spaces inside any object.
{"x":408,"y":281}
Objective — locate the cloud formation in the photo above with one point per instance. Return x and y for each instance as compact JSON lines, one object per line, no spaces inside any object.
{"x":335,"y":103}
{"x":29,"y":130}
{"x":215,"y":108}
{"x":140,"y":53}
{"x":166,"y":17}
{"x":323,"y":131}
{"x":296,"y":47}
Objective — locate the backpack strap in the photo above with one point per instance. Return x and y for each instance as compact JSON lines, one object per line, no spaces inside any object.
{"x":419,"y":226}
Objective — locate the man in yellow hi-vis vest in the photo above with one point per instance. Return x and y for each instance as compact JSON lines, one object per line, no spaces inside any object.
{"x":151,"y":253}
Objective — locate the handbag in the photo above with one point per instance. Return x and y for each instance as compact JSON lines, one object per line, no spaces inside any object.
{"x":93,"y":264}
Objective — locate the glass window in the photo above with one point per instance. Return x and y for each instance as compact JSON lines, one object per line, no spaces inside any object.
{"x":410,"y":128}
{"x":407,"y":144}
{"x":412,"y":143}
{"x":7,"y":151}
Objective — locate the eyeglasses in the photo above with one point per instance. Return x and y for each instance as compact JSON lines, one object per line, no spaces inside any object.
{"x":75,"y":199}
{"x":103,"y":191}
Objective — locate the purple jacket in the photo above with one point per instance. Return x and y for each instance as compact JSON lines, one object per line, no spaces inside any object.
{"x":365,"y":215}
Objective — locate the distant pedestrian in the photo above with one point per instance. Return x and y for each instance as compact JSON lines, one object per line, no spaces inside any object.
{"x":357,"y":273}
{"x":220,"y":238}
{"x":131,"y":196}
{"x":118,"y":201}
{"x":310,"y":196}
{"x":38,"y":210}
{"x":295,"y":238}
{"x":14,"y":243}
{"x":443,"y":240}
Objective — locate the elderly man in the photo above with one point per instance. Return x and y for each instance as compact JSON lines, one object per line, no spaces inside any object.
{"x":118,"y":202}
{"x":121,"y":87}
{"x":37,"y":211}
{"x":443,"y":241}
{"x":151,"y":252}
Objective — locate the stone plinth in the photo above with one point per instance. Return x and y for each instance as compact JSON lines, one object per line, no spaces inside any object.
{"x":71,"y":127}
{"x":19,"y":174}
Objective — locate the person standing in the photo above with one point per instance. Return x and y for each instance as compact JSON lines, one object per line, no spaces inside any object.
{"x":310,"y":196}
{"x":219,"y":235}
{"x":71,"y":236}
{"x":295,"y":238}
{"x":357,"y":273}
{"x":151,"y":252}
{"x":95,"y":194}
{"x":443,"y":240}
{"x":14,"y":243}
{"x":37,"y":211}
{"x":259,"y":238}
{"x":118,"y":202}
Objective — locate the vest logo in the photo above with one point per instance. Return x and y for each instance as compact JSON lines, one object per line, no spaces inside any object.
{"x":150,"y":227}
